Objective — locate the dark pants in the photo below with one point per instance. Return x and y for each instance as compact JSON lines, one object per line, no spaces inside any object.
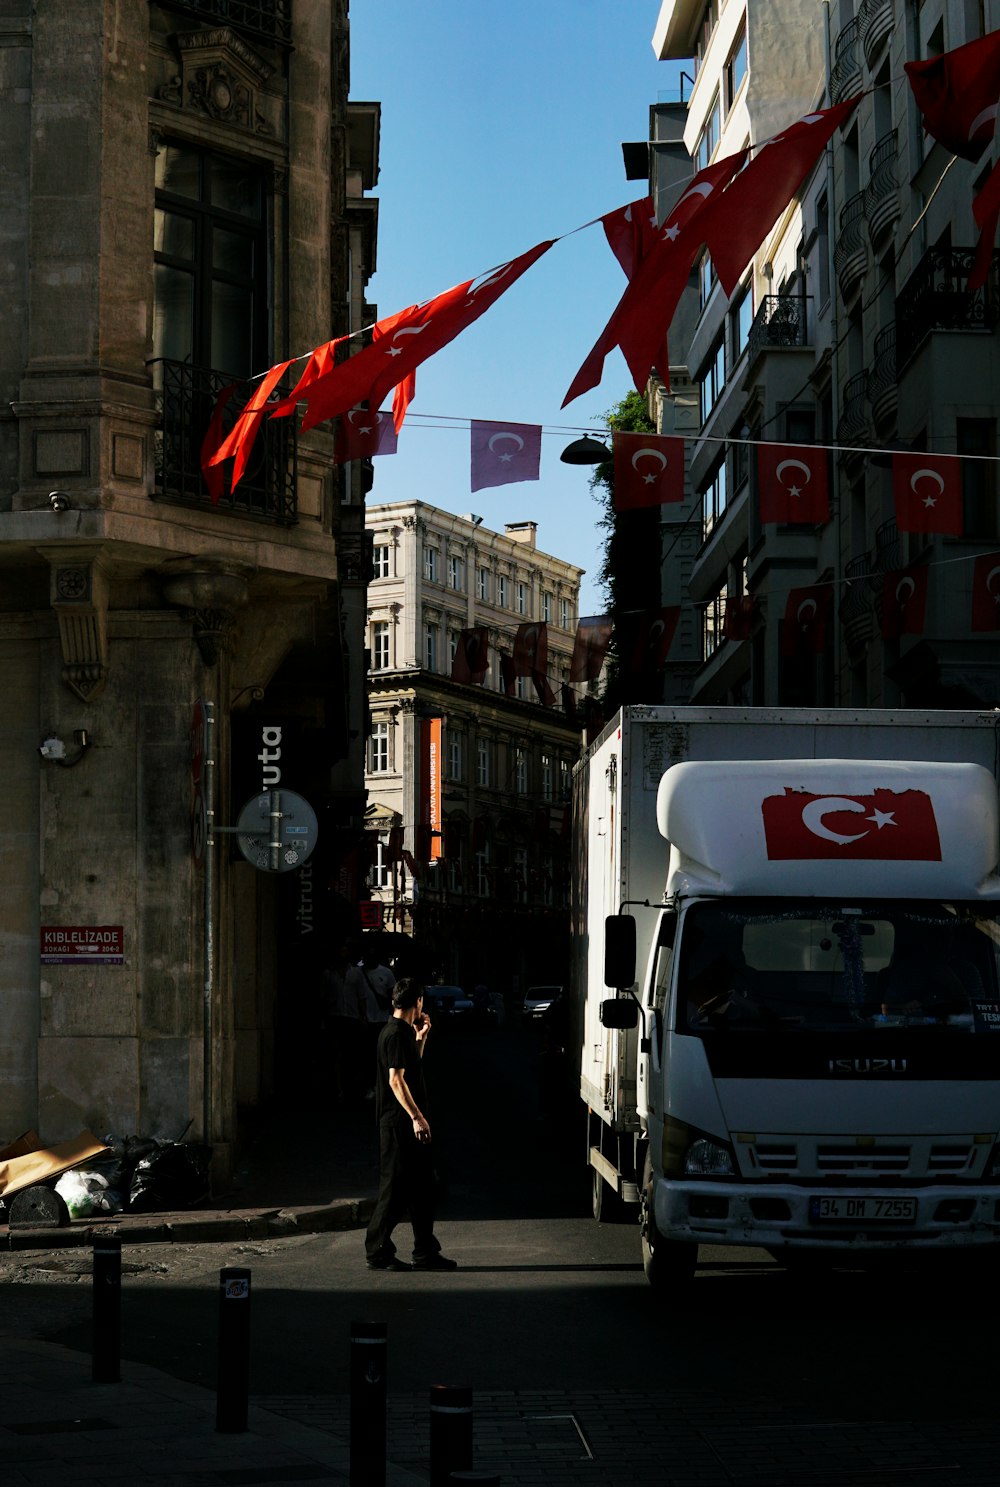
{"x":406,"y":1185}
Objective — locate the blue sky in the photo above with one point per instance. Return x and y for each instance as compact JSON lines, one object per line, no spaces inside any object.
{"x":502,"y":125}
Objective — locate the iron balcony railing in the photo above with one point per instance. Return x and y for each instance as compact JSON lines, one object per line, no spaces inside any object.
{"x":268,"y":20}
{"x":780,"y":321}
{"x":882,"y":386}
{"x":845,"y":75}
{"x":882,"y":191}
{"x":936,"y":297}
{"x":876,"y":21}
{"x":854,"y":427}
{"x":185,"y":401}
{"x":850,"y":252}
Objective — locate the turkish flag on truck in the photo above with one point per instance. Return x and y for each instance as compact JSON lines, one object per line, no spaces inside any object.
{"x":887,"y":826}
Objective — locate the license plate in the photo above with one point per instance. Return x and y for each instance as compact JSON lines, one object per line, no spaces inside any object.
{"x":863,"y":1210}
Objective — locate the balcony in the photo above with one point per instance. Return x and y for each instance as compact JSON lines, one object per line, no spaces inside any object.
{"x":875,"y":20}
{"x":185,"y":399}
{"x":882,"y":384}
{"x":854,"y":427}
{"x":267,"y":20}
{"x":850,"y":253}
{"x":856,"y":613}
{"x":886,"y":560}
{"x":935,"y":297}
{"x":780,"y":321}
{"x":845,"y":75}
{"x":882,"y":191}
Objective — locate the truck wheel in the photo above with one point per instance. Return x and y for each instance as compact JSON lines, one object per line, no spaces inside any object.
{"x":606,"y":1205}
{"x":665,"y":1262}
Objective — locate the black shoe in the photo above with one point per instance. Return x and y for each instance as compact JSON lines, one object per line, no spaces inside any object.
{"x":435,"y":1262}
{"x":387,"y":1262}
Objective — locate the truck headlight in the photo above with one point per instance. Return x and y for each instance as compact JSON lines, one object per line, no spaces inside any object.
{"x":708,"y":1159}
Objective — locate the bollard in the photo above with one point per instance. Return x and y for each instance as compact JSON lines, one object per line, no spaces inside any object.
{"x":233,"y":1377}
{"x":451,"y":1432}
{"x":368,"y":1393}
{"x":107,"y":1332}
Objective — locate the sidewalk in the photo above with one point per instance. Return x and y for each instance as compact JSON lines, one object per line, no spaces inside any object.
{"x":297,"y":1174}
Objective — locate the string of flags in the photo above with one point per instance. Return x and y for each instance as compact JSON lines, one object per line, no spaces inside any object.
{"x":728,"y":207}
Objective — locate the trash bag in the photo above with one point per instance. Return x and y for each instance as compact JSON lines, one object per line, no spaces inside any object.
{"x":123,"y":1156}
{"x":174,"y":1176}
{"x":86,"y":1192}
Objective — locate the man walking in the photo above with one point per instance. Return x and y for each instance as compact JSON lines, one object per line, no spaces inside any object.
{"x":406,"y":1171}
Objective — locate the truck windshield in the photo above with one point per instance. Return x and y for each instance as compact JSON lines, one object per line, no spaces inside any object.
{"x":766,"y":965}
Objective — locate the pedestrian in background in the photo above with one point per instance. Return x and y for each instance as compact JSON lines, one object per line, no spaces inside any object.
{"x":406,"y":1164}
{"x":346,"y":1008}
{"x":373,"y":983}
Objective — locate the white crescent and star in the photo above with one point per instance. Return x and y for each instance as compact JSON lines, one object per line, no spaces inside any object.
{"x":815,"y":810}
{"x":657,"y":454}
{"x":793,"y":490}
{"x":989,"y":584}
{"x":491,"y":444}
{"x":806,"y":611}
{"x":926,"y":474}
{"x":985,"y":116}
{"x":905,"y":589}
{"x":406,"y":330}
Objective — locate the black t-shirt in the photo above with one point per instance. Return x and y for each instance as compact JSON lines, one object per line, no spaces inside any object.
{"x":397,"y":1049}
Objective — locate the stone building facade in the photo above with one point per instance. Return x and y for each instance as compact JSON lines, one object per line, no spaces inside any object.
{"x":853,"y":328}
{"x":183,"y":205}
{"x":491,"y":905}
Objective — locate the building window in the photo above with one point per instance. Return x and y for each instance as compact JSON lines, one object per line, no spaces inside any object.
{"x":564,"y":614}
{"x":547,"y":609}
{"x":715,"y":611}
{"x":740,"y":320}
{"x":521,"y":689}
{"x":706,"y":278}
{"x":431,"y":647}
{"x":520,"y":772}
{"x":484,"y":772}
{"x":706,"y":30}
{"x":708,"y":141}
{"x":381,"y":873}
{"x":380,"y":645}
{"x":503,"y":590}
{"x":378,"y":749}
{"x":736,"y":67}
{"x":521,"y":598}
{"x":520,"y":874}
{"x":483,"y":871}
{"x":713,"y":500}
{"x":456,"y":573}
{"x":456,"y":756}
{"x":564,"y":781}
{"x":546,"y":777}
{"x":711,"y":384}
{"x":483,"y":584}
{"x":823,"y":248}
{"x":209,"y":262}
{"x":978,"y":436}
{"x":380,"y":560}
{"x":431,"y":564}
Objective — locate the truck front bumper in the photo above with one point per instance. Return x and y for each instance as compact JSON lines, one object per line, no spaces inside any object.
{"x":785,"y":1216}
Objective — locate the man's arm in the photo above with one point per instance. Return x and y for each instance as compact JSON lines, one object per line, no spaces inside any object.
{"x":400,"y":1088}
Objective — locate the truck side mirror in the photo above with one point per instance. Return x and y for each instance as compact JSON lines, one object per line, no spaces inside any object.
{"x":619,"y":1012}
{"x":619,"y":951}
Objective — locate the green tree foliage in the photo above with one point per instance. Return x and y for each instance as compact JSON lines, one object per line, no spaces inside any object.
{"x":630,"y":568}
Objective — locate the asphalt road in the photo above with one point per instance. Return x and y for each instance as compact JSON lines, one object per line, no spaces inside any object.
{"x":545,"y":1298}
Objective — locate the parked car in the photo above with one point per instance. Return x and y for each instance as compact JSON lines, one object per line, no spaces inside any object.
{"x":447,"y":1001}
{"x":539,"y":999}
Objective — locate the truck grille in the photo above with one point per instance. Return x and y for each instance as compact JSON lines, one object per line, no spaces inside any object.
{"x":915,"y":1158}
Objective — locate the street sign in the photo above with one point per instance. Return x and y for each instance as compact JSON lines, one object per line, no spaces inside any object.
{"x":370,"y":913}
{"x":277,"y":831}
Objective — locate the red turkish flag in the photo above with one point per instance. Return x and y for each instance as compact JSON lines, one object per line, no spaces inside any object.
{"x":957,"y":94}
{"x":472,"y":656}
{"x":928,"y":493}
{"x":543,"y":687}
{"x":402,"y":398}
{"x":239,"y":441}
{"x":792,"y":484}
{"x":213,"y":474}
{"x":593,"y":635}
{"x":986,"y":210}
{"x":655,"y":630}
{"x":986,"y":592}
{"x":508,"y":675}
{"x":402,"y":341}
{"x":568,"y":701}
{"x":642,"y":317}
{"x":904,"y":601}
{"x":649,"y":470}
{"x":631,"y":232}
{"x":738,"y":222}
{"x":737,"y":622}
{"x":806,"y":615}
{"x":531,"y":648}
{"x":503,"y":453}
{"x":886,"y":826}
{"x":362,"y":434}
{"x":321,"y":361}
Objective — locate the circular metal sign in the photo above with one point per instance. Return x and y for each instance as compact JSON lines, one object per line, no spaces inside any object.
{"x":277,"y":831}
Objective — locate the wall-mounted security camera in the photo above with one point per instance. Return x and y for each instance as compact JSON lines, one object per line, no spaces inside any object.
{"x":59,"y":500}
{"x":53,"y":750}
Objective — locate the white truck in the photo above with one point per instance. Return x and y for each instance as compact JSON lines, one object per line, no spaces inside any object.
{"x":799,"y":915}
